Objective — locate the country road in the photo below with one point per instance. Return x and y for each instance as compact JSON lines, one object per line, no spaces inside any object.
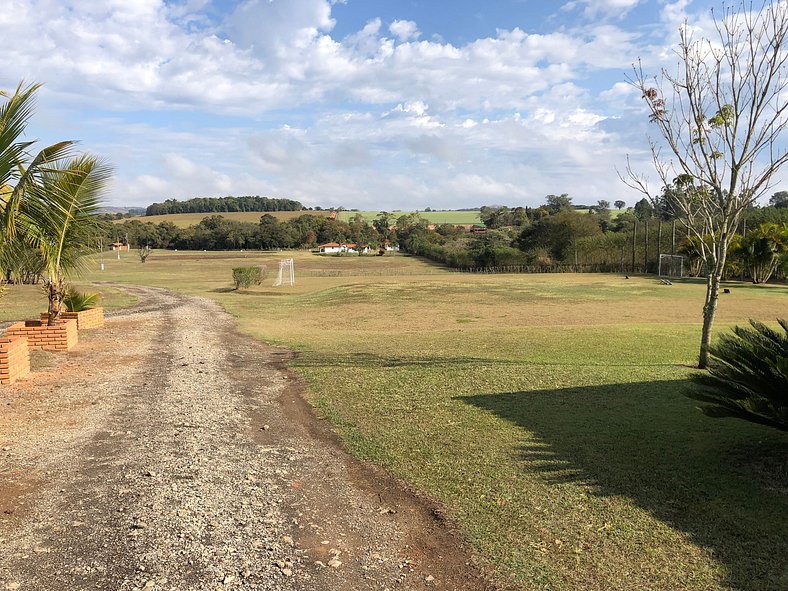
{"x":170,"y":452}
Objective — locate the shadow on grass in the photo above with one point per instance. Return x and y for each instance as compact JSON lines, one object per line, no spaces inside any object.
{"x":723,"y":482}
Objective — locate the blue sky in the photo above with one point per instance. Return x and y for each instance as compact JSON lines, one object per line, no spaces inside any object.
{"x":366,"y":104}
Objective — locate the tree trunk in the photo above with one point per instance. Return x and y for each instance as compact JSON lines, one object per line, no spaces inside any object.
{"x":709,"y":311}
{"x":645,"y":248}
{"x":634,"y":241}
{"x":55,"y":296}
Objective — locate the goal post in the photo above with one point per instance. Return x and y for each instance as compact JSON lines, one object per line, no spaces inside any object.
{"x":671,"y":265}
{"x":286,"y":273}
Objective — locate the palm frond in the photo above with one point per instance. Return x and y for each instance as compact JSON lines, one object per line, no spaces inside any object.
{"x":748,"y":378}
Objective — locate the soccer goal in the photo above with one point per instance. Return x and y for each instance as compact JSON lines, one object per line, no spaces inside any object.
{"x":286,"y":273}
{"x":671,"y":265}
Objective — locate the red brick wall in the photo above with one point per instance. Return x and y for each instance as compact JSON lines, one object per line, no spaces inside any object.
{"x":14,"y":359}
{"x":86,"y":319}
{"x":61,"y":336}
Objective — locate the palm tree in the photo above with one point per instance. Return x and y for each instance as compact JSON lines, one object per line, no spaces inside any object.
{"x":47,"y":200}
{"x":58,"y":218}
{"x":762,"y":249}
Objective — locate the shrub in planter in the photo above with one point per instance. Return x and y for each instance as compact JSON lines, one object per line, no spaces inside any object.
{"x":82,"y":308}
{"x":77,"y":301}
{"x":248,"y":276}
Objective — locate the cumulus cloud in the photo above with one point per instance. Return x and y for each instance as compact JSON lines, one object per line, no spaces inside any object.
{"x":270,"y":100}
{"x":404,"y":30}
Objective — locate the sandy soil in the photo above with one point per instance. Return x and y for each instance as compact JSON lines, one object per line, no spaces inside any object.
{"x":169,"y":452}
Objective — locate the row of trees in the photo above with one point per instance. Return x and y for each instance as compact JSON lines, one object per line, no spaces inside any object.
{"x":216,"y":232}
{"x":568,"y":240}
{"x":48,"y":199}
{"x":223,"y":204}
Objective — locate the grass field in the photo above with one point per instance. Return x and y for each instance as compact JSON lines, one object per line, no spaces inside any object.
{"x":28,"y":301}
{"x":184,"y":220}
{"x":546,"y":412}
{"x":435,"y":217}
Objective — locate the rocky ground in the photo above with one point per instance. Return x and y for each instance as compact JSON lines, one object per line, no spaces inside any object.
{"x":169,"y":452}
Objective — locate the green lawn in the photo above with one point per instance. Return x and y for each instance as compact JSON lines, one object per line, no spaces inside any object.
{"x":545,"y":411}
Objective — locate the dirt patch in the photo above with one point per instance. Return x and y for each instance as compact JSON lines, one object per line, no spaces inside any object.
{"x":168,"y":451}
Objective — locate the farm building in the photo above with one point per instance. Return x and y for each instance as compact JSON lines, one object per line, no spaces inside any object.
{"x":119,"y":246}
{"x":331,"y":247}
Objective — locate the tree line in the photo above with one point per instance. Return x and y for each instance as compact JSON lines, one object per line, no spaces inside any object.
{"x":223,"y":204}
{"x":557,"y":237}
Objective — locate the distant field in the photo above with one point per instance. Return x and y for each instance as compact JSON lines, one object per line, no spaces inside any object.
{"x":184,"y":220}
{"x":435,"y":217}
{"x":546,"y":412}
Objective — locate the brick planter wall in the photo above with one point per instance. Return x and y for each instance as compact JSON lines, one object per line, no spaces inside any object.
{"x":14,"y":359}
{"x":86,"y":319}
{"x":58,"y":337}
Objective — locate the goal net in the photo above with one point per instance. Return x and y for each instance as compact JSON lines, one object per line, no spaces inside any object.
{"x":286,"y":273}
{"x":671,"y":265}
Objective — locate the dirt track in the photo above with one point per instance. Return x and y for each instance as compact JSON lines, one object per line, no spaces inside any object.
{"x":168,"y":451}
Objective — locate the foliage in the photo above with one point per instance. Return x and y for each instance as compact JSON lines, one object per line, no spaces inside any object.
{"x":779,"y":200}
{"x":58,"y":218}
{"x":644,"y":210}
{"x":762,"y":250}
{"x":19,"y":262}
{"x":248,"y":276}
{"x":496,"y":216}
{"x":620,"y":204}
{"x":144,"y":252}
{"x":219,"y":204}
{"x":555,"y":203}
{"x":77,"y":301}
{"x":49,"y":200}
{"x":558,"y":232}
{"x":748,"y":378}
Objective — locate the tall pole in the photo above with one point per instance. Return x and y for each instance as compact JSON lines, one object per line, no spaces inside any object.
{"x":634,"y":241}
{"x":645,"y":248}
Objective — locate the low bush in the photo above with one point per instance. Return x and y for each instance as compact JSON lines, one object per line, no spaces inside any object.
{"x":248,"y":276}
{"x":748,"y":377}
{"x":76,"y":301}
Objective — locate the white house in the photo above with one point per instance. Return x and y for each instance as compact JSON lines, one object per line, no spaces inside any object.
{"x":330,"y":247}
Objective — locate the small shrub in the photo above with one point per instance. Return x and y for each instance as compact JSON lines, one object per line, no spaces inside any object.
{"x":144,"y":252}
{"x":77,"y":301}
{"x":248,"y":276}
{"x":748,"y":377}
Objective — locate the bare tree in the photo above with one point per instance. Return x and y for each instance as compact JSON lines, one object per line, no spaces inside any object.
{"x":720,"y":116}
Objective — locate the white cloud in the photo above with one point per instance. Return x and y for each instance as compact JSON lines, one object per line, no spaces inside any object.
{"x":608,"y":7}
{"x":404,"y":30}
{"x":381,"y":114}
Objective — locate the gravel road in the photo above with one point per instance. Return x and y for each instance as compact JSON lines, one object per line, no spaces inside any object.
{"x":170,"y":452}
